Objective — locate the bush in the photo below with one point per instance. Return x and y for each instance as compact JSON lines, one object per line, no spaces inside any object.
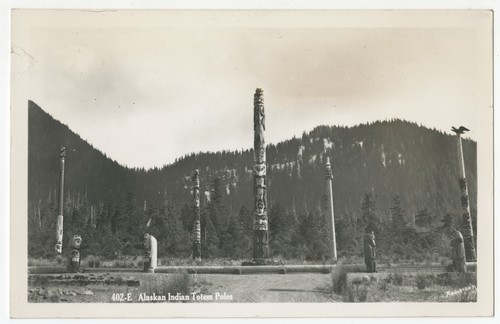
{"x":44,"y":262}
{"x":124,"y":263}
{"x":363,"y":295}
{"x":339,"y":279}
{"x":383,"y":285}
{"x":91,"y":261}
{"x":457,"y":280}
{"x":468,"y":296}
{"x":421,"y":281}
{"x":38,"y":281}
{"x":396,"y":278}
{"x":182,"y":283}
{"x":59,"y":259}
{"x":356,"y":293}
{"x":350,"y":294}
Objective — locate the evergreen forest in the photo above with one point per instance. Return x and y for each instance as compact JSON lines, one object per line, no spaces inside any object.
{"x":396,"y":176}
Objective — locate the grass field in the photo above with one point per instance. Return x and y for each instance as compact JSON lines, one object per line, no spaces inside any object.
{"x":301,"y":287}
{"x":414,"y":286}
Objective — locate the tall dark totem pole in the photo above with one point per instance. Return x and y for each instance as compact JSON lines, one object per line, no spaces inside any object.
{"x":260,"y":228}
{"x":470,"y":250}
{"x":196,"y":208}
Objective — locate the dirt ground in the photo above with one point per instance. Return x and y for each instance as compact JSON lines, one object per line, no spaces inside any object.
{"x":248,"y":288}
{"x":117,"y":287}
{"x":303,"y":287}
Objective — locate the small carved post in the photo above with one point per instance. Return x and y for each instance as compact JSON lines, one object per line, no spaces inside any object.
{"x":75,"y":257}
{"x":59,"y":226}
{"x":196,"y":209}
{"x":329,"y":190}
{"x":470,"y":250}
{"x":151,"y":253}
{"x":261,"y":235}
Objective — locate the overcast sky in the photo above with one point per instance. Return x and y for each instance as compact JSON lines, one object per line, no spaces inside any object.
{"x":147,"y":87}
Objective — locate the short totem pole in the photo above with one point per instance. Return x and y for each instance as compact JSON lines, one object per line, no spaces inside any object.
{"x":74,"y":258}
{"x":260,"y":228}
{"x":151,"y":253}
{"x":196,"y":209}
{"x":59,"y":226}
{"x":470,"y":250}
{"x":329,"y":192}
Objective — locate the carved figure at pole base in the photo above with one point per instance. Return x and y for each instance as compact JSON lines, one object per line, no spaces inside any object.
{"x":261,"y":245}
{"x":369,"y":250}
{"x":458,"y":251}
{"x":150,"y":246}
{"x":75,"y":258}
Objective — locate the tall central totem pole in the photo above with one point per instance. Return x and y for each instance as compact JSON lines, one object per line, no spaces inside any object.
{"x":59,"y":226}
{"x":196,"y":208}
{"x":260,"y":228}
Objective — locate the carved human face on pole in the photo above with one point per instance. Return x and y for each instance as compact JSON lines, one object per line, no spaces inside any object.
{"x":76,"y":241}
{"x":197,"y":231}
{"x":259,"y":182}
{"x":196,"y":198}
{"x":260,"y":154}
{"x":260,"y":224}
{"x":260,"y":170}
{"x":259,"y":114}
{"x":262,"y":120}
{"x":196,"y":179}
{"x":196,"y":188}
{"x":260,"y":203}
{"x":329,"y":173}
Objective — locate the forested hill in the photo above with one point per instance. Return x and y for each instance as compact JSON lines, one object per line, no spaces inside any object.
{"x":384,"y":159}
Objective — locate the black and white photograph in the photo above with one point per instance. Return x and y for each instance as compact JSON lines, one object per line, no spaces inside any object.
{"x":240,"y":163}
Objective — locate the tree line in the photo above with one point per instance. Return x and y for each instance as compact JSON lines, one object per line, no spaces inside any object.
{"x":109,"y":204}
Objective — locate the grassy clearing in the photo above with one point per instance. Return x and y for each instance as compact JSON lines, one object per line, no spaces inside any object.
{"x":406,"y":287}
{"x":179,"y":283}
{"x":58,"y":260}
{"x":339,"y":279}
{"x":108,"y":288}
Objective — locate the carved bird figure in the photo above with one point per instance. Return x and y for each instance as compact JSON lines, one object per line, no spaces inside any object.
{"x":460,"y":130}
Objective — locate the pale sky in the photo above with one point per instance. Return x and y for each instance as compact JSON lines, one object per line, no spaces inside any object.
{"x":146,"y":87}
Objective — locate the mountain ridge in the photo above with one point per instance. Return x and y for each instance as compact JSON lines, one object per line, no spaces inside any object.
{"x":384,"y":158}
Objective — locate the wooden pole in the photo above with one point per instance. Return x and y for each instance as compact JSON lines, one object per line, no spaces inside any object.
{"x":59,"y":227}
{"x":470,"y":250}
{"x":196,"y":208}
{"x":260,"y":227}
{"x":329,"y":190}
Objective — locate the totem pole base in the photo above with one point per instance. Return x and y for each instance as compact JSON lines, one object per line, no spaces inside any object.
{"x":470,"y":254}
{"x":147,"y":267}
{"x":197,"y":251}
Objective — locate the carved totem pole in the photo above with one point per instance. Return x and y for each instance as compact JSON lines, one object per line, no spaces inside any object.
{"x":470,"y":250}
{"x":74,"y":258}
{"x":260,"y":229}
{"x":196,"y":208}
{"x":151,"y":253}
{"x":59,"y":226}
{"x":329,"y":192}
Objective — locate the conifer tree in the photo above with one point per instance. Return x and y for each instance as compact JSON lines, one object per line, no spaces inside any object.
{"x":368,"y":209}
